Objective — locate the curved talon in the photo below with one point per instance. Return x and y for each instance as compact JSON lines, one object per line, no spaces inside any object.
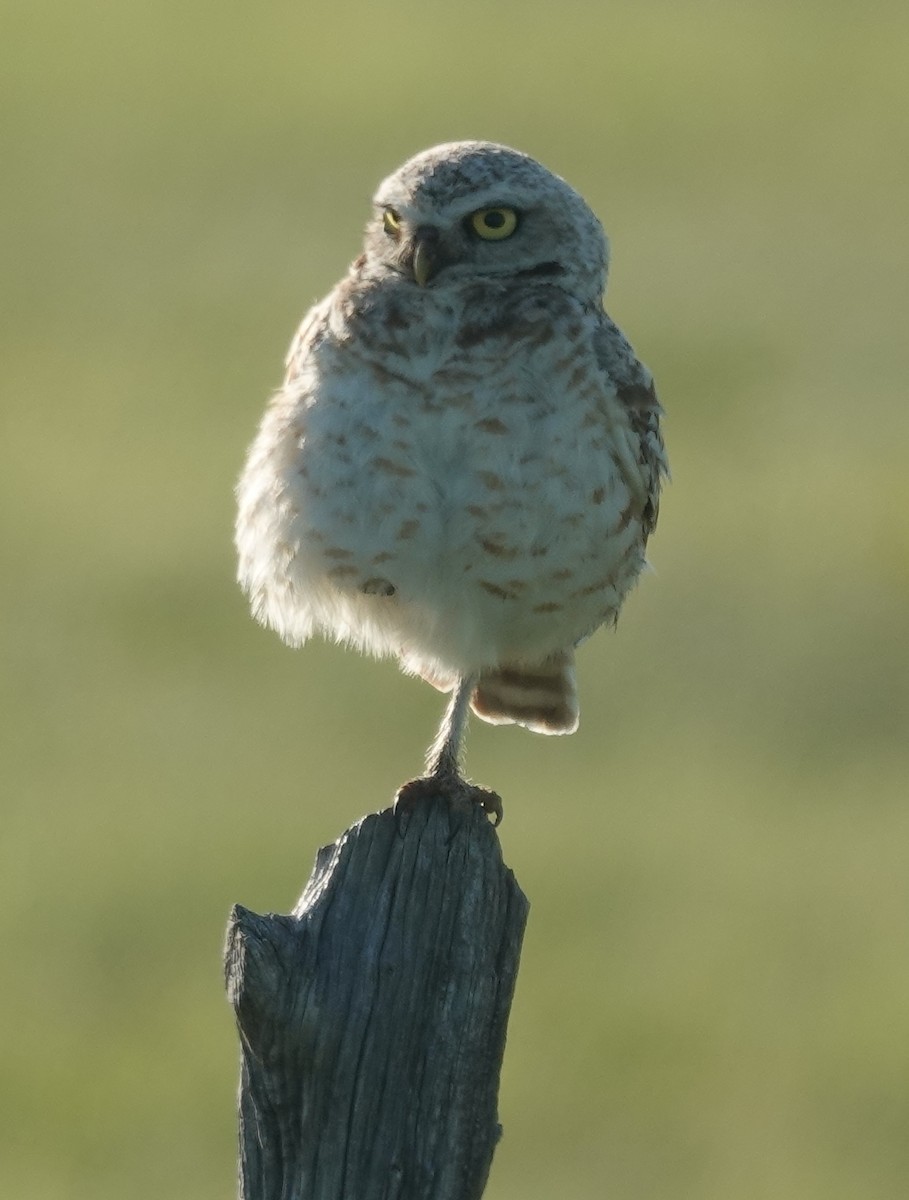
{"x":491,"y":804}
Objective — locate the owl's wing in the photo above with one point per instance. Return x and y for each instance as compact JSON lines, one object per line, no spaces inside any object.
{"x":311,"y":330}
{"x":647,"y":465}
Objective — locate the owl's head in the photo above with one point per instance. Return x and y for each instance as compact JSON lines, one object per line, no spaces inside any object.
{"x":470,"y":211}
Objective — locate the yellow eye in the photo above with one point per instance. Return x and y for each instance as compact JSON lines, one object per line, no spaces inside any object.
{"x":494,"y":224}
{"x":391,"y":221}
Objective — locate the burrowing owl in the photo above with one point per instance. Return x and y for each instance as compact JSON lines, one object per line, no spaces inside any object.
{"x":464,"y":462}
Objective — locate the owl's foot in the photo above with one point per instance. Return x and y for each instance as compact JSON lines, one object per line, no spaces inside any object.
{"x":461,"y":796}
{"x":443,"y":776}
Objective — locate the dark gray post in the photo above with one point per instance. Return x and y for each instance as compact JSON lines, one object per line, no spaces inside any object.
{"x":372,"y":1018}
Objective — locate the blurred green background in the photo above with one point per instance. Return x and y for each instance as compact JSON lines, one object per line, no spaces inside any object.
{"x":714,"y":996}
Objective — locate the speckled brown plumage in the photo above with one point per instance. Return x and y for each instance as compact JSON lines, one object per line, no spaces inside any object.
{"x":464,"y":463}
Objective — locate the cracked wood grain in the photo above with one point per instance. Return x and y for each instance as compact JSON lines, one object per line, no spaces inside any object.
{"x":372,"y":1018}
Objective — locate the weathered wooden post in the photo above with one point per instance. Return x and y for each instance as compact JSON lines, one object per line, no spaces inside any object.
{"x":372,"y":1019}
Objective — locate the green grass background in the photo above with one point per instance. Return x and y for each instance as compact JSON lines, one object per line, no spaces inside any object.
{"x":714,"y":995}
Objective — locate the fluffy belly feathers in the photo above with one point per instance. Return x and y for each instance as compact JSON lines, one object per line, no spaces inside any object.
{"x":496,"y":528}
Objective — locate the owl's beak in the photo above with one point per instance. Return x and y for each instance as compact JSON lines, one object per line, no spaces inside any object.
{"x":427,"y":255}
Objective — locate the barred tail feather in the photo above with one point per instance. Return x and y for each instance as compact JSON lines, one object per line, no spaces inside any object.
{"x":542,"y":697}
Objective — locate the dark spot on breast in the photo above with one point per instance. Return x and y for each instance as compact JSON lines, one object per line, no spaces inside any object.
{"x":494,"y":590}
{"x":378,"y":587}
{"x":490,"y":480}
{"x":497,"y":549}
{"x":395,"y":319}
{"x":472,"y":335}
{"x":541,"y":270}
{"x":491,"y":425}
{"x":392,"y":468}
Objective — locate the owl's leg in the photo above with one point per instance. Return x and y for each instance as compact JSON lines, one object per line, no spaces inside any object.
{"x":443,"y":761}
